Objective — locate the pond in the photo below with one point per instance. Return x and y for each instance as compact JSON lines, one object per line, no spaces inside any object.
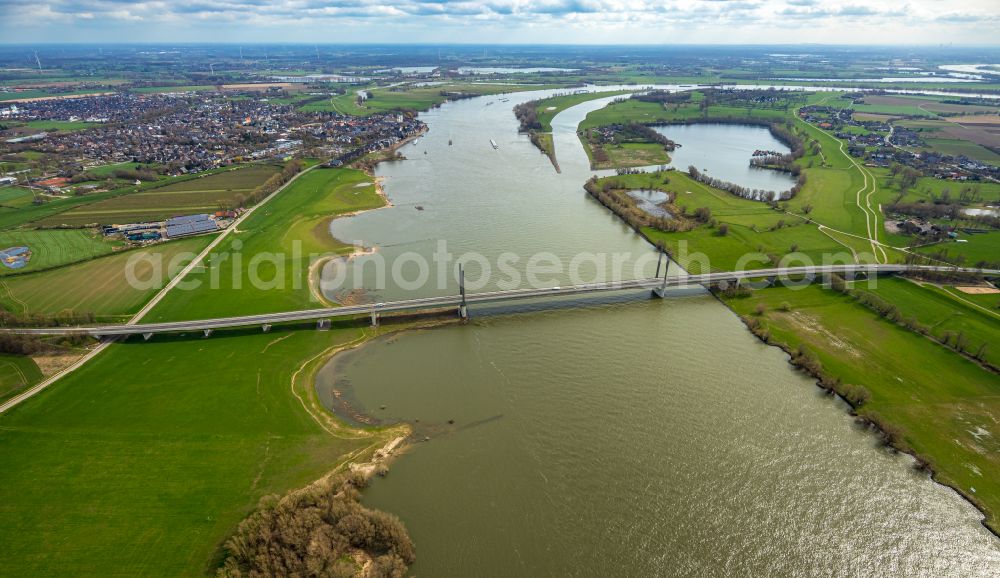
{"x":723,"y":151}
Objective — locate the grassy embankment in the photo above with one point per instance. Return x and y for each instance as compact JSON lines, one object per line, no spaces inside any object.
{"x":928,"y":399}
{"x":547,"y":108}
{"x":168,"y":444}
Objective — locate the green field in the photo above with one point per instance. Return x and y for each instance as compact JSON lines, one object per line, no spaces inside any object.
{"x":755,"y":231}
{"x":13,"y":198}
{"x":548,"y":108}
{"x":936,"y":398}
{"x":182,"y":88}
{"x":105,"y":171}
{"x":99,"y":286}
{"x":144,"y":461}
{"x":956,"y":147}
{"x":628,"y":155}
{"x":60,"y":125}
{"x":290,"y":227}
{"x":988,"y":301}
{"x":55,"y":247}
{"x":198,"y":195}
{"x":976,"y":248}
{"x":941,"y":312}
{"x":47,"y":211}
{"x":16,"y":373}
{"x":42,"y":93}
{"x":209,"y":425}
{"x":629,"y":111}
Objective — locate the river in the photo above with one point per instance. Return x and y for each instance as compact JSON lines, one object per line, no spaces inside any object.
{"x":626,"y":437}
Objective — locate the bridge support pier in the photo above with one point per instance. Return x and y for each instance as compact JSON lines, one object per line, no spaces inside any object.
{"x":463,"y":309}
{"x":374,"y":318}
{"x":661,"y":291}
{"x":146,"y":336}
{"x":208,"y":332}
{"x":266,"y":327}
{"x":323,"y":325}
{"x":771,"y":281}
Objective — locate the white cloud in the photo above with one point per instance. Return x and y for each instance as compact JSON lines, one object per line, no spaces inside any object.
{"x":624,"y":21}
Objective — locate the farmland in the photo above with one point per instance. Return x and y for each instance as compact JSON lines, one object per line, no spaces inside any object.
{"x":99,"y":286}
{"x":13,"y":198}
{"x":198,"y":195}
{"x":55,"y":247}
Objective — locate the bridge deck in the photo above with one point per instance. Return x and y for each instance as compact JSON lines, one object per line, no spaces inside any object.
{"x":486,"y":297}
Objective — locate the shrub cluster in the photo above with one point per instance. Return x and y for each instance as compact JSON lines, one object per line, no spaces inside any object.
{"x":313,"y":532}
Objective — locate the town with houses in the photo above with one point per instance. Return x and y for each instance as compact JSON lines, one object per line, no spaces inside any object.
{"x":882,"y":143}
{"x":179,"y":134}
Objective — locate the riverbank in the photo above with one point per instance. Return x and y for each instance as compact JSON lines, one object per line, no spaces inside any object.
{"x":943,"y":423}
{"x":842,"y":350}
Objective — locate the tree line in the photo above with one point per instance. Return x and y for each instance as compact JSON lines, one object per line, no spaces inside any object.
{"x":747,"y":192}
{"x":272,"y":184}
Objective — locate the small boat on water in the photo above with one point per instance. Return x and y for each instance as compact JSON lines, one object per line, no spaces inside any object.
{"x":494,"y":143}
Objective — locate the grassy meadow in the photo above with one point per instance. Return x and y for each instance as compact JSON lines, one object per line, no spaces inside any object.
{"x":144,"y":461}
{"x":16,"y":373}
{"x":100,"y":285}
{"x":55,"y":247}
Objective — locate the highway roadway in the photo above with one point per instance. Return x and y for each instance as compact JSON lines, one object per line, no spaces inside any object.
{"x":431,"y":303}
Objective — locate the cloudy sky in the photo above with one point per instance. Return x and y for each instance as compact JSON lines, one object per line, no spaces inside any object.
{"x":504,"y":21}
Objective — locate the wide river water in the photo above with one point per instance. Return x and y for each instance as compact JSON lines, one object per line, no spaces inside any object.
{"x":619,"y":436}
